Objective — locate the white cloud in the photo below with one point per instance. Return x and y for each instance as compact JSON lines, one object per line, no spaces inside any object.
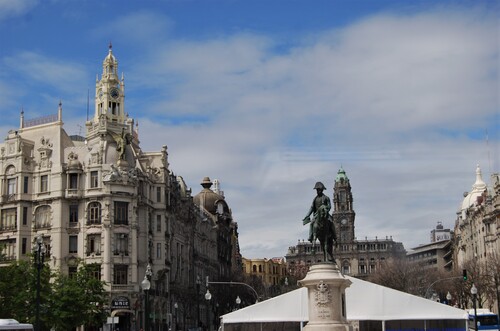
{"x":10,"y":8}
{"x":41,"y":69}
{"x":392,"y":99}
{"x":143,"y":28}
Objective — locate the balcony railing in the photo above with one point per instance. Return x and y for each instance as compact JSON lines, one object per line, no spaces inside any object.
{"x":8,"y":227}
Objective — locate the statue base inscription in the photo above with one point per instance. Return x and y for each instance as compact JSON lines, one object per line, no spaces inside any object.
{"x":326,"y":298}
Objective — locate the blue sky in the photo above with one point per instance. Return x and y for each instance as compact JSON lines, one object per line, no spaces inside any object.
{"x":271,"y":96}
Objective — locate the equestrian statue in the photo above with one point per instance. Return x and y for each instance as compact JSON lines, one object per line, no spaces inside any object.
{"x":321,"y":224}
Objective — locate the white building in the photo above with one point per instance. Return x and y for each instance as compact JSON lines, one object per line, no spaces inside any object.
{"x":97,"y":198}
{"x":477,"y":238}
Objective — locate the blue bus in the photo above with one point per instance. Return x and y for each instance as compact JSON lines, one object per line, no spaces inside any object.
{"x":486,"y":320}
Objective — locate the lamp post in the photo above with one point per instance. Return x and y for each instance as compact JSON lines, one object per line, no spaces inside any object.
{"x":473,"y":291}
{"x":146,"y":285}
{"x":208,"y":297}
{"x":176,"y":306}
{"x":198,"y":283}
{"x":39,"y":250}
{"x":238,"y":302}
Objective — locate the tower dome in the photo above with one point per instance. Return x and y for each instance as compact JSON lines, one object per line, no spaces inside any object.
{"x":341,"y":175}
{"x":207,"y":198}
{"x":478,"y":189}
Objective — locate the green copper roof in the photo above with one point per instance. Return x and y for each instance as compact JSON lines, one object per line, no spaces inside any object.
{"x":341,"y":175}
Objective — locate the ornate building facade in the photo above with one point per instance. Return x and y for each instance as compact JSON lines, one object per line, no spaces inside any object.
{"x":355,"y":257}
{"x":477,"y":237}
{"x":102,"y":200}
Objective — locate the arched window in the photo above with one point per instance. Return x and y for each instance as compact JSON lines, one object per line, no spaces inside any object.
{"x":42,"y":217}
{"x":94,"y":213}
{"x":254,"y":268}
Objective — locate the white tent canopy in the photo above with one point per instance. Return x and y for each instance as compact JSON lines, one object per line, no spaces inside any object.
{"x":364,"y":300}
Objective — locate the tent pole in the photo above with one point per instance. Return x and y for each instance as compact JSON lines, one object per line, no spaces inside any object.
{"x":383,"y":325}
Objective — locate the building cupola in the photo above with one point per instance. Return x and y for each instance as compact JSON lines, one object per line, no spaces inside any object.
{"x":110,"y":93}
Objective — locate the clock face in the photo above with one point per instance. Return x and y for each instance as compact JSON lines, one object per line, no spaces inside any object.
{"x":343,"y":221}
{"x":115,"y":93}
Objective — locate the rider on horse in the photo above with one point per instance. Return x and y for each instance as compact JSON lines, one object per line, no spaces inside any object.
{"x":321,"y":227}
{"x":320,"y":207}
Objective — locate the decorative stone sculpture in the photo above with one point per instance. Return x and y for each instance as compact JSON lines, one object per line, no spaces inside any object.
{"x":326,"y":298}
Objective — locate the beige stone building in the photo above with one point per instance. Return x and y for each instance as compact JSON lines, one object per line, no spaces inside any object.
{"x":355,"y":257}
{"x":103,"y":200}
{"x":272,"y":272}
{"x":438,"y":254}
{"x":477,"y":236}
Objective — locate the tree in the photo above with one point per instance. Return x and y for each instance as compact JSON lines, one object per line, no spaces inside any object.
{"x":65,"y":303}
{"x":492,"y":280}
{"x":405,"y":276}
{"x":78,"y":299}
{"x":18,"y":291}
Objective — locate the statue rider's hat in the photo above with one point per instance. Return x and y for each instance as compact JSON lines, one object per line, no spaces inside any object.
{"x":319,"y":185}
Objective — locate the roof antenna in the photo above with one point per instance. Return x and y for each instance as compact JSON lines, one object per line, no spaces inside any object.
{"x":488,"y":149}
{"x":88,"y":97}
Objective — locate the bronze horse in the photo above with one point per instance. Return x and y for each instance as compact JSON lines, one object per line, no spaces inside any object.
{"x":321,"y":227}
{"x":324,"y":232}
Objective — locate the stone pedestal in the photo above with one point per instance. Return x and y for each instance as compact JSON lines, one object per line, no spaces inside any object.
{"x":326,"y":295}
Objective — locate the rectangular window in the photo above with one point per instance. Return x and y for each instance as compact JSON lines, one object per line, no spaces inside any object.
{"x":158,"y":194}
{"x":9,"y":219}
{"x":121,"y":244}
{"x":44,"y":183}
{"x":73,"y":181}
{"x":25,"y":184}
{"x":158,"y":223}
{"x":72,"y":271}
{"x":120,"y":274}
{"x":11,"y":186}
{"x":73,"y":244}
{"x":94,"y":213}
{"x":158,"y":250}
{"x":94,"y":244}
{"x":25,"y":215}
{"x":96,"y":271}
{"x":94,"y":179}
{"x":24,"y":246}
{"x":121,"y":212}
{"x":73,"y":213}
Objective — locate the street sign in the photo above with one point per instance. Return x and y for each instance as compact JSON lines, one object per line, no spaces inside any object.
{"x":112,"y":320}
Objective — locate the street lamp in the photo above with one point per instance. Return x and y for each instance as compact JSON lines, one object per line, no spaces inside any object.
{"x":448,"y":298}
{"x":198,"y":283}
{"x":208,"y":297}
{"x":473,"y":291}
{"x":176,"y":306}
{"x":146,"y":285}
{"x":238,"y":302}
{"x":39,"y":250}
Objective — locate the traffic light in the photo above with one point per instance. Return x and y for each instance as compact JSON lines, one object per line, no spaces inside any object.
{"x":464,"y":274}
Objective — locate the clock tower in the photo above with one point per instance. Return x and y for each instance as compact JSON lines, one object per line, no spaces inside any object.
{"x":109,"y":96}
{"x":111,"y":127}
{"x":343,"y":214}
